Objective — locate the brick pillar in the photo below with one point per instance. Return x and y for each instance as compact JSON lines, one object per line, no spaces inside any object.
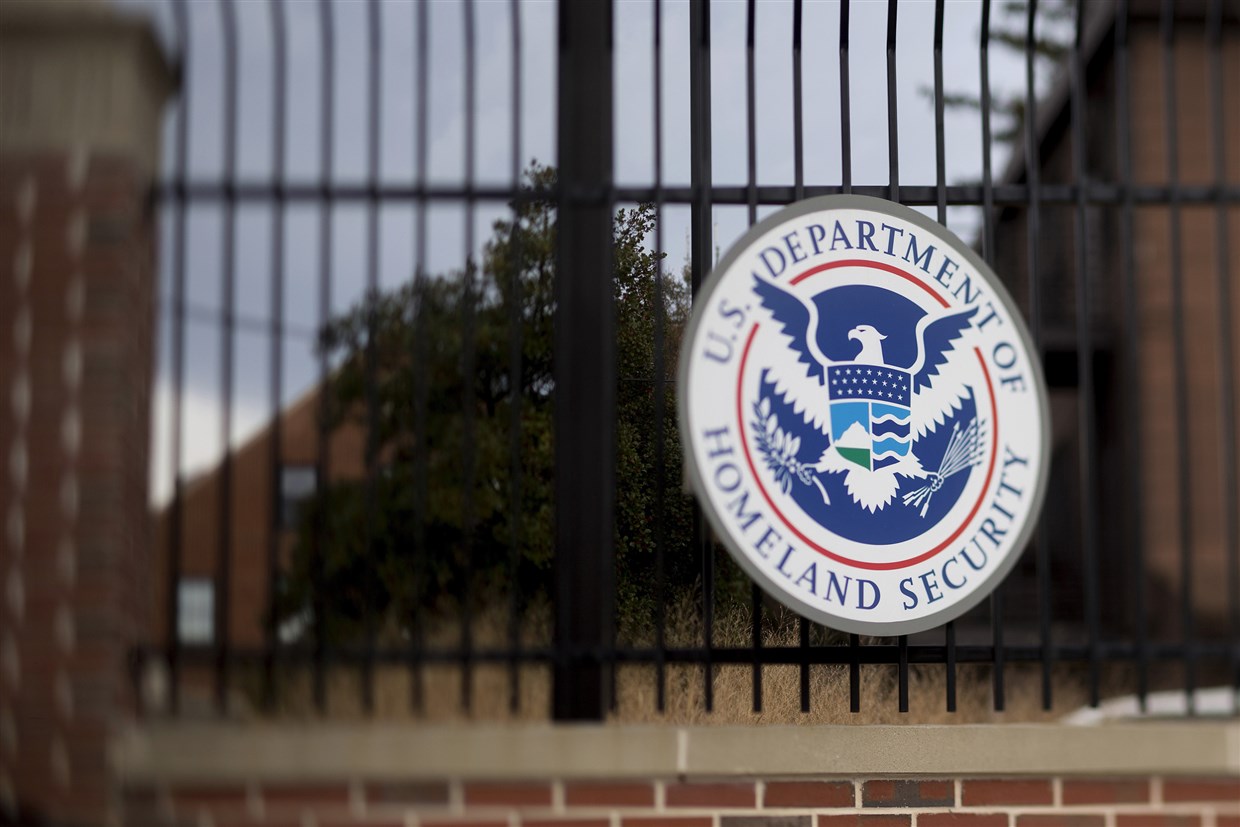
{"x":81,"y":89}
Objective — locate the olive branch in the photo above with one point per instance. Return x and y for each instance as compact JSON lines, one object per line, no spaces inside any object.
{"x":779,"y":450}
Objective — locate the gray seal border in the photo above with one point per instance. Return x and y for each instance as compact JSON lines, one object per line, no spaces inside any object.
{"x":696,"y":481}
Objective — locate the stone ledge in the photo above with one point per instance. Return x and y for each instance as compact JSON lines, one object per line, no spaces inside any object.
{"x":205,"y":752}
{"x":81,"y":75}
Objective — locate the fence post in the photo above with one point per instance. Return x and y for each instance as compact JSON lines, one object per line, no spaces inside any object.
{"x":585,"y":369}
{"x":83,"y":88}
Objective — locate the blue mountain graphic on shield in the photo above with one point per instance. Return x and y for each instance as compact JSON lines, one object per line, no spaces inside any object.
{"x":870,"y":414}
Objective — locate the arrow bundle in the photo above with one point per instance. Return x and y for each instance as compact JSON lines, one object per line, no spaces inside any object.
{"x":964,"y":450}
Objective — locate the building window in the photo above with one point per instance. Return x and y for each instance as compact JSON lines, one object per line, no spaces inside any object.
{"x":196,"y":611}
{"x":297,"y":484}
{"x":292,"y":627}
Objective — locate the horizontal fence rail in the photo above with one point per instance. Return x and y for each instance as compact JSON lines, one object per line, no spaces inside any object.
{"x":423,"y":293}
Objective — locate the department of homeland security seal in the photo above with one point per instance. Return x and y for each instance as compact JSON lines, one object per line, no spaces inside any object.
{"x":864,"y":419}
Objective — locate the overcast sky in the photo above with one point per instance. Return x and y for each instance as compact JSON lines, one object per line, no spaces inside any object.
{"x":446,"y":245}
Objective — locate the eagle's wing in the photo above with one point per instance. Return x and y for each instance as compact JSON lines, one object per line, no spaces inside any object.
{"x":803,"y":380}
{"x":936,"y":396}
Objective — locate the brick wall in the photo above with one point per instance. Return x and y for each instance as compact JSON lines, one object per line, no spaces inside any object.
{"x":79,"y":104}
{"x":1074,"y":801}
{"x":74,"y":558}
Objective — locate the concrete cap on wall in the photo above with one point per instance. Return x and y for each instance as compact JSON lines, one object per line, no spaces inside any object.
{"x":81,"y":74}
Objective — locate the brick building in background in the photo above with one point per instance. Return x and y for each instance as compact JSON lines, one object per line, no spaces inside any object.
{"x":264,"y":508}
{"x":1135,"y":266}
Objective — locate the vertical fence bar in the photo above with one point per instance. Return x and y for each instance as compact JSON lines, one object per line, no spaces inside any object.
{"x":751,"y":128}
{"x":854,"y":673}
{"x":469,"y":399}
{"x":660,"y":379}
{"x":515,"y":380}
{"x":1033,"y":225}
{"x":999,"y":650}
{"x":940,"y":148}
{"x":1226,"y":366}
{"x":949,"y":641}
{"x":420,"y":384}
{"x":279,"y":117}
{"x":699,"y":265}
{"x":323,"y":529}
{"x":845,"y":105}
{"x":893,"y":119}
{"x":1086,"y":425}
{"x":988,"y":190}
{"x":798,"y":159}
{"x":893,"y":157}
{"x":798,"y":130}
{"x":755,"y":593}
{"x":940,"y":178}
{"x":228,"y":300}
{"x":1132,"y":362}
{"x":1179,"y":353}
{"x":177,"y":509}
{"x":988,"y":253}
{"x":854,"y":641}
{"x":585,"y":368}
{"x":374,"y":76}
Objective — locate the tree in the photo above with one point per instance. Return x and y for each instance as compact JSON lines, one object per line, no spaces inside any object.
{"x":1049,"y":49}
{"x":401,"y":543}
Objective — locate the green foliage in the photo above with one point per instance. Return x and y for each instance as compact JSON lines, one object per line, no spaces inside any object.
{"x":396,"y":546}
{"x":1008,"y":31}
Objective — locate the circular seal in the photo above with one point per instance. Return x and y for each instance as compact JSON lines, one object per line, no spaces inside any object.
{"x":864,"y":419}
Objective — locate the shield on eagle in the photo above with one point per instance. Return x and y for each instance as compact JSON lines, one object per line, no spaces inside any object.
{"x":870,"y":413}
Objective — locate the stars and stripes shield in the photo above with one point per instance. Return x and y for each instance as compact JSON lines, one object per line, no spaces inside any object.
{"x":870,"y":414}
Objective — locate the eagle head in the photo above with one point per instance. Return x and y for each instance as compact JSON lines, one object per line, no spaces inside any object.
{"x":871,"y":344}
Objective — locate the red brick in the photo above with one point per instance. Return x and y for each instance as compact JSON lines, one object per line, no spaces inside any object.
{"x":213,"y":797}
{"x":809,"y":794}
{"x":1201,"y":789}
{"x":406,"y":793}
{"x":711,"y":795}
{"x":1227,"y":821}
{"x":305,"y":795}
{"x":1157,"y":820}
{"x":668,"y":821}
{"x":1106,"y":791}
{"x":1061,"y":820}
{"x":609,"y":793}
{"x":865,"y":820}
{"x":976,"y":792}
{"x":908,"y":793}
{"x":962,"y":820}
{"x":566,"y":822}
{"x":152,"y":820}
{"x":516,"y":794}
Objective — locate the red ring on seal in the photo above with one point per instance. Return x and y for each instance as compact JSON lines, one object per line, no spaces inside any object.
{"x":740,"y":419}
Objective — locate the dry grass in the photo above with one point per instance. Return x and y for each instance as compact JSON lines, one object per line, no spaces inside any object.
{"x":491,"y":686}
{"x":829,"y":685}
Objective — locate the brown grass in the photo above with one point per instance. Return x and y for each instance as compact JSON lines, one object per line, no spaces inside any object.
{"x":490,"y":689}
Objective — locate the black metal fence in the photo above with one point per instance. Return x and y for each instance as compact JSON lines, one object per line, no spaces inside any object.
{"x":331,"y":171}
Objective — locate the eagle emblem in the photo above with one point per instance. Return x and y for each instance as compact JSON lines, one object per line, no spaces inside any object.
{"x":864,"y":416}
{"x":867,"y":382}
